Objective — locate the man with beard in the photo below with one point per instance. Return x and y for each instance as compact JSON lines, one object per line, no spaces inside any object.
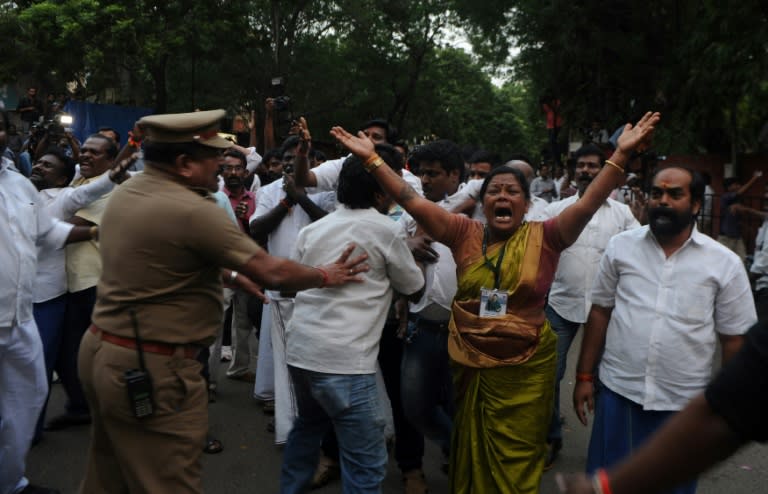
{"x":568,"y":302}
{"x":243,"y":202}
{"x":664,"y":295}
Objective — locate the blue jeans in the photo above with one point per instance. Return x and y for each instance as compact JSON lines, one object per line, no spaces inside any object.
{"x":565,"y":330}
{"x":425,"y":385}
{"x":350,"y":404}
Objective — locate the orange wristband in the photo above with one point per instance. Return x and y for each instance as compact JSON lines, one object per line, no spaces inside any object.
{"x":585,"y":378}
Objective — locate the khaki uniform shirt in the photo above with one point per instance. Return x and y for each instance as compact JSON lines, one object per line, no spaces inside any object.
{"x":82,"y":259}
{"x":163,"y":246}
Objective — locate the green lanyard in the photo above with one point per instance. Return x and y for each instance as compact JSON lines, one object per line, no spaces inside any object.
{"x":497,"y":268}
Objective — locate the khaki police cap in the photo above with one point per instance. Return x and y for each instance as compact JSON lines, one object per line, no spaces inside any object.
{"x":201,"y":127}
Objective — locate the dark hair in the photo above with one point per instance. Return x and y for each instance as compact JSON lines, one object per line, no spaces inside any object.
{"x":272,"y":153}
{"x":318,"y":155}
{"x":590,"y":150}
{"x":730,"y":181}
{"x":110,"y":129}
{"x":289,"y":143}
{"x":482,"y":156}
{"x":380,"y":122}
{"x":403,"y":145}
{"x":501,"y":171}
{"x":112,"y":149}
{"x":68,"y":163}
{"x":357,"y":187}
{"x":443,"y":151}
{"x":167,"y":152}
{"x":697,"y":185}
{"x":236,"y":154}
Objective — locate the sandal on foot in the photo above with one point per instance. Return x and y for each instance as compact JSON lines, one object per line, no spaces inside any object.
{"x":213,"y":446}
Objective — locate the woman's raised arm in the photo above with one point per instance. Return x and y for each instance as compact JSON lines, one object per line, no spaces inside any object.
{"x":432,"y":218}
{"x":574,"y":219}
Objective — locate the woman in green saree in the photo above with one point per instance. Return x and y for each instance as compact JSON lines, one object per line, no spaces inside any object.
{"x":503,"y":365}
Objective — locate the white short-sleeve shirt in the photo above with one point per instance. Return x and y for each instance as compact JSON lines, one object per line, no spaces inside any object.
{"x":577,"y":268}
{"x":337,"y":330}
{"x":661,"y":338}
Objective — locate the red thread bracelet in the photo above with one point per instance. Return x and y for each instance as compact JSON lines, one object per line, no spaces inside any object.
{"x":285,"y":204}
{"x":602,"y":478}
{"x":325,"y":277}
{"x":585,"y":378}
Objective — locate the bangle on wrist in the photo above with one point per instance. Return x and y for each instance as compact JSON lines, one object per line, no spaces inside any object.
{"x":232,"y":277}
{"x":601,"y":483}
{"x":611,"y":163}
{"x":584,"y":377}
{"x":325,"y":277}
{"x":94,"y":232}
{"x":286,"y":204}
{"x":373,"y":162}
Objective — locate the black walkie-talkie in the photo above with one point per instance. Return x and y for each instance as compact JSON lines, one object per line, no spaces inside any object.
{"x":138,"y":382}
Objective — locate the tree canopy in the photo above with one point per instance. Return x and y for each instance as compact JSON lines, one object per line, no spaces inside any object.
{"x":345,"y":61}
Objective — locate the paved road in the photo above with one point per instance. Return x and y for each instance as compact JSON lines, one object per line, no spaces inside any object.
{"x":250,"y":463}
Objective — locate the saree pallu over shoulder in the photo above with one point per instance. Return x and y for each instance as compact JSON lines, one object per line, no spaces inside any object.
{"x":509,"y":339}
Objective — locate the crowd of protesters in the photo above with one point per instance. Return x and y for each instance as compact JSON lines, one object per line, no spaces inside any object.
{"x":374,"y":300}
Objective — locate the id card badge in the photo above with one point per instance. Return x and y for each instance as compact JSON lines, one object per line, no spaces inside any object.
{"x":493,"y":302}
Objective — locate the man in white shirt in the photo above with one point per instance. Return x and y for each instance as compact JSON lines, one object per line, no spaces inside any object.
{"x":568,"y":302}
{"x":664,"y":295}
{"x":24,"y":225}
{"x":409,"y":442}
{"x":50,"y":175}
{"x":332,"y":340}
{"x":283,"y":209}
{"x":83,"y":263}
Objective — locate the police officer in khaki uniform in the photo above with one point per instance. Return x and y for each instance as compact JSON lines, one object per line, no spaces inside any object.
{"x":166,"y":247}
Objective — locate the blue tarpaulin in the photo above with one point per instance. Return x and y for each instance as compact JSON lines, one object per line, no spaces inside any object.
{"x":88,"y":117}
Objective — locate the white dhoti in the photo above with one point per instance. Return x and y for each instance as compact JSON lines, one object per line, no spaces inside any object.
{"x":264,"y":387}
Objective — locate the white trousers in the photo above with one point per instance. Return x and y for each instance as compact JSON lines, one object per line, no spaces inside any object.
{"x":23,"y":388}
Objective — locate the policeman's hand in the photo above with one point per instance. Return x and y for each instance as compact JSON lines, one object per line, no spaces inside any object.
{"x":583,"y":394}
{"x":345,"y":270}
{"x":420,"y":246}
{"x":574,"y":484}
{"x":244,"y":283}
